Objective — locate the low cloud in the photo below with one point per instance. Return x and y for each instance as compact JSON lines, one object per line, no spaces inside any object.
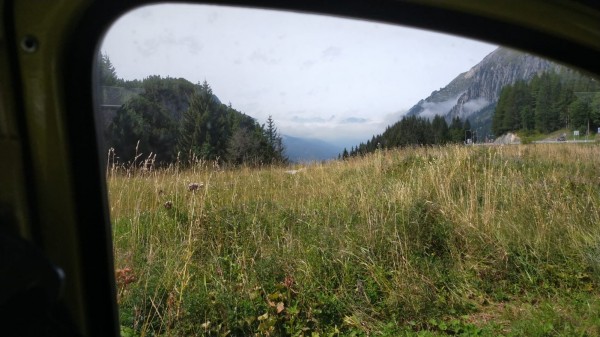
{"x":392,"y":118}
{"x":475,"y":105}
{"x":349,"y":130}
{"x":354,"y":120}
{"x":430,"y":109}
{"x":311,"y":119}
{"x":169,"y":41}
{"x":301,"y":119}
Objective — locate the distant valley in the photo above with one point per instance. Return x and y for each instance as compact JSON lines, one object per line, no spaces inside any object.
{"x":299,"y":149}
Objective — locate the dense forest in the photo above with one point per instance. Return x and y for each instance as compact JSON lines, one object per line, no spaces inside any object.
{"x":414,"y":130}
{"x":174,"y":120}
{"x":547,"y":103}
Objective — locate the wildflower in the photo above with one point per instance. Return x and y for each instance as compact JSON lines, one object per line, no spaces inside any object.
{"x":288,"y":282}
{"x":194,"y":186}
{"x":124,"y":276}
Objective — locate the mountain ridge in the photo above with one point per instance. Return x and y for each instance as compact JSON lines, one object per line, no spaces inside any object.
{"x":474,"y":93}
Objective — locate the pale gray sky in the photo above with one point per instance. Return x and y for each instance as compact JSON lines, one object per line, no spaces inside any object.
{"x":319,"y":77}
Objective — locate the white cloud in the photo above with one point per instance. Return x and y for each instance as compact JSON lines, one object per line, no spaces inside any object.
{"x":430,"y":109}
{"x":354,"y":120}
{"x":475,"y":105}
{"x":324,"y":66}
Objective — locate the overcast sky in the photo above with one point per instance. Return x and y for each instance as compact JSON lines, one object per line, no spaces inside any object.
{"x":319,"y":77}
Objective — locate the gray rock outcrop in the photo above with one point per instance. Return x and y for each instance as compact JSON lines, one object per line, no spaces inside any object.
{"x":474,"y":94}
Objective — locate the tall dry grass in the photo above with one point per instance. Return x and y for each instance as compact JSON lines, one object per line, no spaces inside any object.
{"x":396,"y":241}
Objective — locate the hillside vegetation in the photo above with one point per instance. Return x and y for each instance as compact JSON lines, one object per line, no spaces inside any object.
{"x":542,"y":104}
{"x":418,"y":131}
{"x":548,"y":103}
{"x":431,"y":241}
{"x":176,"y":121}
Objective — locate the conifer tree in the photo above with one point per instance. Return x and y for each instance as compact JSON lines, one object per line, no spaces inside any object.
{"x":543,"y":105}
{"x":580,"y":113}
{"x":345,"y":154}
{"x":204,"y":132}
{"x":595,"y":111}
{"x":440,"y":130}
{"x":106,"y":71}
{"x":456,"y":130}
{"x":275,"y":142}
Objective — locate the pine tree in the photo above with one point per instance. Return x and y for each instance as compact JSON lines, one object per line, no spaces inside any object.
{"x":106,"y":71}
{"x":580,"y":113}
{"x":440,"y":130}
{"x":595,"y":111}
{"x":467,"y":132}
{"x":195,"y":124}
{"x":276,"y":149}
{"x":498,"y":117}
{"x":455,"y":131}
{"x":565,"y":98}
{"x":143,"y":126}
{"x":543,"y":105}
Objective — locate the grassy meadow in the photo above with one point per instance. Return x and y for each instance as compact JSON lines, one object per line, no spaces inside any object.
{"x":425,"y":241}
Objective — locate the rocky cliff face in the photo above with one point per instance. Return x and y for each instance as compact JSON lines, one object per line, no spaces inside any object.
{"x":474,"y":94}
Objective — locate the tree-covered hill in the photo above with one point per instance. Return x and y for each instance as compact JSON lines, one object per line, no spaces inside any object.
{"x":173,"y":120}
{"x":414,"y":130}
{"x":549,"y":102}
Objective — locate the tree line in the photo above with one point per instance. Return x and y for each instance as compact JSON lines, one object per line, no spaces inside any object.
{"x":414,"y":130}
{"x":549,"y":102}
{"x":176,"y":120}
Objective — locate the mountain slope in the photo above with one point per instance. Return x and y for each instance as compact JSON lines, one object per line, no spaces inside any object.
{"x":473,"y":94}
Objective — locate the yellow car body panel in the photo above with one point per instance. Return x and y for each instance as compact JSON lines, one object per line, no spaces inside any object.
{"x":38,"y":201}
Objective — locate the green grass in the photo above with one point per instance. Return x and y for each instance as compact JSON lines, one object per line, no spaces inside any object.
{"x":527,"y":137}
{"x":428,"y":241}
{"x":533,"y":136}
